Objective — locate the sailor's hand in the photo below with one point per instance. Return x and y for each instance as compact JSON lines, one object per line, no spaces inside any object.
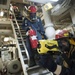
{"x":27,"y":33}
{"x":30,"y":27}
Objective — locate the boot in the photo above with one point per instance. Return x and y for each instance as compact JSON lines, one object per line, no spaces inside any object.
{"x":32,"y":62}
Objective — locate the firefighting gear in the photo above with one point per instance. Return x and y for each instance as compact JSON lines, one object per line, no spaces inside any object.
{"x":32,"y":9}
{"x":47,"y":45}
{"x":64,"y":44}
{"x":55,"y":45}
{"x":33,"y":38}
{"x":37,"y":26}
{"x":32,"y":13}
{"x":33,"y":16}
{"x":47,"y":61}
{"x":62,"y":33}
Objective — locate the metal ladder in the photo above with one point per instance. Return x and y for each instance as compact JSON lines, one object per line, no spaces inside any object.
{"x":22,"y":51}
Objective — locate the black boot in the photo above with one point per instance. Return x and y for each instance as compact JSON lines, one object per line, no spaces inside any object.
{"x":32,"y":62}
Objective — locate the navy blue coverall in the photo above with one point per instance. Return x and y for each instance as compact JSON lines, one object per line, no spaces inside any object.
{"x":38,"y":27}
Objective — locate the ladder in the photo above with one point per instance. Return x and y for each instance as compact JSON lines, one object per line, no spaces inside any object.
{"x":22,"y":50}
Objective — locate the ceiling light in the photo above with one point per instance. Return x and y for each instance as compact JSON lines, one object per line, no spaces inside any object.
{"x":1,"y":13}
{"x":4,"y":47}
{"x":6,"y":39}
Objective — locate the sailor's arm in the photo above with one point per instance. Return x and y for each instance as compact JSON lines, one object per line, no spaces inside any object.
{"x":47,"y":61}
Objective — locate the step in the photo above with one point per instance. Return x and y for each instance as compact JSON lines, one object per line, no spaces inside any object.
{"x":22,"y":50}
{"x":24,"y":38}
{"x":19,"y":18}
{"x":20,"y":44}
{"x":37,"y":70}
{"x":24,"y":35}
{"x":22,"y":30}
{"x":16,"y":28}
{"x":34,"y":67}
{"x":19,"y":21}
{"x":25,"y":59}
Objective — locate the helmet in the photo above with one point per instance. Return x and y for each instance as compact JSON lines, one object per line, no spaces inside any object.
{"x":32,"y":9}
{"x":62,"y":33}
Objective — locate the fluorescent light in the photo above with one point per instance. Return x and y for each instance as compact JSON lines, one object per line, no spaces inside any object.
{"x":6,"y":39}
{"x":4,"y":47}
{"x":1,"y":13}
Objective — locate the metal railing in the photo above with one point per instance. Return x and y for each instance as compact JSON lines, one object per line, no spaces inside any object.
{"x":19,"y":51}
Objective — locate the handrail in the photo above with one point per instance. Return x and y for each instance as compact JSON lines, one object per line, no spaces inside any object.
{"x":20,"y":55}
{"x":19,"y":49}
{"x":22,"y":38}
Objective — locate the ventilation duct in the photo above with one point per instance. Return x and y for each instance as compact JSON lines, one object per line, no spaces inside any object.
{"x":60,"y":8}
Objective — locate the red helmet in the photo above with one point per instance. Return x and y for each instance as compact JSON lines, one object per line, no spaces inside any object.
{"x":32,"y":9}
{"x":62,"y":33}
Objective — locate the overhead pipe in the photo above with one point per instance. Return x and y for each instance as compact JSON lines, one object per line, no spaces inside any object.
{"x":61,"y":8}
{"x":49,"y":30}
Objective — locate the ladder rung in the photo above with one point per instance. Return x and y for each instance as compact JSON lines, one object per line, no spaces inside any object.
{"x":34,"y":67}
{"x":15,"y":27}
{"x":19,"y":23}
{"x":19,"y":38}
{"x":20,"y":44}
{"x":23,"y":51}
{"x":25,"y":59}
{"x":26,"y":65}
